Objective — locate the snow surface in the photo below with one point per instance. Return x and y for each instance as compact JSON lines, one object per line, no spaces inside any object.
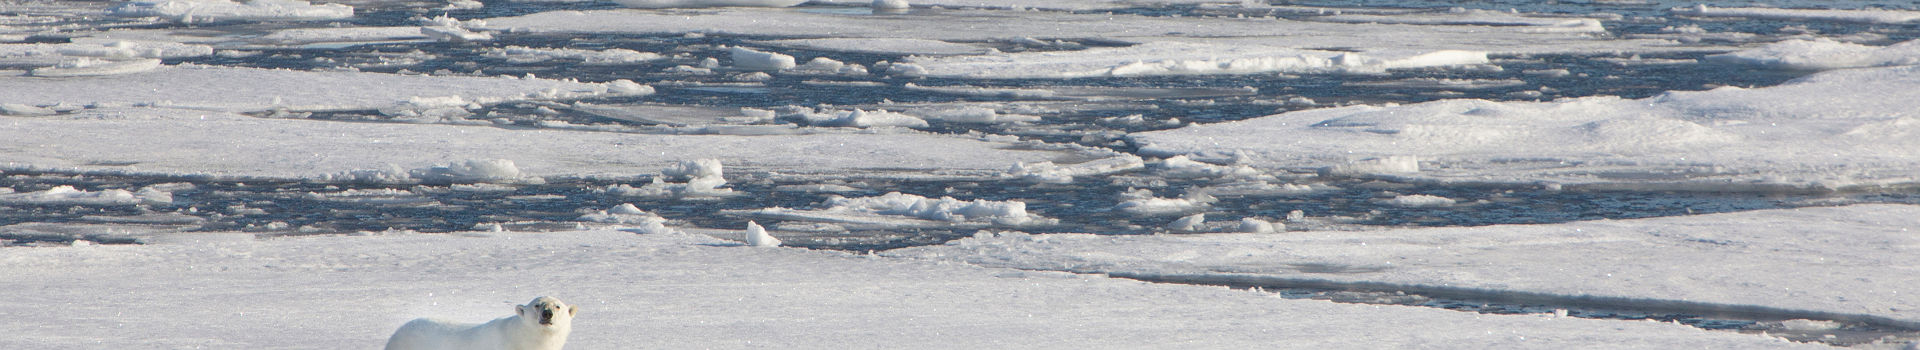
{"x":1864,"y":16}
{"x":1837,"y":129}
{"x":654,"y":4}
{"x":898,"y":210}
{"x":685,"y":291}
{"x":1824,"y":54}
{"x":1847,"y":263}
{"x":1175,"y":58}
{"x":1210,"y":40}
{"x":192,"y":11}
{"x":250,"y":89}
{"x":188,"y":142}
{"x":905,"y":46}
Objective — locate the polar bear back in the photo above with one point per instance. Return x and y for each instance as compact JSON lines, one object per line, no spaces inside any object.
{"x":438,"y":334}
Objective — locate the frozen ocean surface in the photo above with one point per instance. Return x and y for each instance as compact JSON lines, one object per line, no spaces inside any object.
{"x":965,"y":174}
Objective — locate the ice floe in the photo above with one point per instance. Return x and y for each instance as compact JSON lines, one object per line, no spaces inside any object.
{"x":1838,"y":263}
{"x":1824,"y":54}
{"x":195,"y":11}
{"x":1173,"y":58}
{"x":177,"y":142}
{"x":692,"y":291}
{"x":690,"y":179}
{"x":1837,"y":129}
{"x":655,"y":4}
{"x":1866,"y":16}
{"x":251,"y":89}
{"x":70,"y":195}
{"x":1048,"y":171}
{"x":518,"y":54}
{"x":1255,"y":44}
{"x":898,"y":210}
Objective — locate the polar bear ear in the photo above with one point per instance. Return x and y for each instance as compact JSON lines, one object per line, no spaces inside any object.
{"x":573,"y":310}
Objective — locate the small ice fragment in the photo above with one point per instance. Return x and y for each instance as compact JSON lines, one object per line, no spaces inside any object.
{"x":1189,"y":223}
{"x":749,"y":59}
{"x":757,"y":236}
{"x":626,"y":208}
{"x":1419,"y":200}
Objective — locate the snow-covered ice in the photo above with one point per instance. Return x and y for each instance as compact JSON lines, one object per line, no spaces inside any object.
{"x":192,"y":11}
{"x":1837,"y":129}
{"x":177,"y":142}
{"x":899,"y":210}
{"x":1846,"y":263}
{"x":1824,"y":54}
{"x":251,"y":89}
{"x":1867,"y":16}
{"x":684,"y":291}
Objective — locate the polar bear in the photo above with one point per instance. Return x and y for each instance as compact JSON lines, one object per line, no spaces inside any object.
{"x":542,"y":324}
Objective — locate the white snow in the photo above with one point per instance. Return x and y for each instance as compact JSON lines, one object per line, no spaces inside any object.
{"x":296,"y":36}
{"x":1172,"y":44}
{"x":904,"y":46}
{"x":69,"y":195}
{"x":1143,"y":202}
{"x":1047,"y":171}
{"x":898,"y":210}
{"x":757,"y":236}
{"x":970,"y":114}
{"x":92,"y":67}
{"x":688,"y":292}
{"x":1419,"y":200}
{"x":628,"y":215}
{"x":250,"y":89}
{"x":1864,"y":16}
{"x":1824,"y":54}
{"x":1838,"y":262}
{"x":655,"y":4}
{"x":1462,"y":16}
{"x":194,"y":11}
{"x":750,"y":59}
{"x":177,"y":142}
{"x":1189,"y":223}
{"x":1837,"y":129}
{"x":699,"y":178}
{"x":1175,"y":58}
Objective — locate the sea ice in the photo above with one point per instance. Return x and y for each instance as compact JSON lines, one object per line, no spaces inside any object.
{"x":1824,"y":54}
{"x":1418,"y":200}
{"x":1865,"y":16}
{"x":175,"y":142}
{"x":70,"y":195}
{"x":92,"y":67}
{"x":688,"y":291}
{"x":1839,"y":263}
{"x":197,"y":11}
{"x":906,"y":210}
{"x":655,"y":4}
{"x":757,"y":236}
{"x":750,"y":59}
{"x":1837,"y":129}
{"x":252,"y":89}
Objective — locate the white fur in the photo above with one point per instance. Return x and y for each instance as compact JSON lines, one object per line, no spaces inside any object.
{"x":522,"y":331}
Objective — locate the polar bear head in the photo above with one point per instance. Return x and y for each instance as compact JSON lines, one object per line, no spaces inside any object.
{"x":547,"y":313}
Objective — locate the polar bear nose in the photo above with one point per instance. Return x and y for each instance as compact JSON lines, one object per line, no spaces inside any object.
{"x":546,"y":317}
